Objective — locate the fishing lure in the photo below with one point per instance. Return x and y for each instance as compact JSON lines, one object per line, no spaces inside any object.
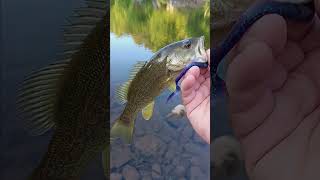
{"x":183,"y":72}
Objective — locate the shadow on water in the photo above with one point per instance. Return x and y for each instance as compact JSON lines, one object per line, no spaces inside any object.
{"x":162,"y":148}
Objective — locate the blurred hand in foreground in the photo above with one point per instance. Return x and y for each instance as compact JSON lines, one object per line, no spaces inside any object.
{"x":273,"y":83}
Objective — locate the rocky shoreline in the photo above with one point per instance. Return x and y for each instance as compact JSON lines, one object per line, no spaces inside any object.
{"x":163,"y":148}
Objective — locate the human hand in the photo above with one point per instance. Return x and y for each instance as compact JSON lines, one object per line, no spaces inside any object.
{"x":273,"y":84}
{"x":195,"y":93}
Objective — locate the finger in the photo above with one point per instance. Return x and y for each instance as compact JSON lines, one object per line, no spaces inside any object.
{"x":199,"y":98}
{"x":270,"y":29}
{"x":187,"y":89}
{"x":247,"y":75}
{"x":291,"y":56}
{"x":195,"y":71}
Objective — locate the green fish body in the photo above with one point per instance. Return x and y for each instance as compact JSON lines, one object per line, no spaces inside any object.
{"x":72,"y":97}
{"x":149,"y":79}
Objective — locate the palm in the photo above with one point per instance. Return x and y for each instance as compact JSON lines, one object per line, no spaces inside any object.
{"x":275,"y":113}
{"x":196,"y":98}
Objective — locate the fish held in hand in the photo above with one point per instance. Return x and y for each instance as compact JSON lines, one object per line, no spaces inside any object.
{"x":149,"y":79}
{"x":200,"y":62}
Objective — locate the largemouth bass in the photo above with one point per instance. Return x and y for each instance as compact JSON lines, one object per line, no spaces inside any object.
{"x":149,"y":79}
{"x":72,"y":97}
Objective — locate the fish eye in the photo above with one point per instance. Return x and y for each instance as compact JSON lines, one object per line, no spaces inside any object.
{"x":187,"y":45}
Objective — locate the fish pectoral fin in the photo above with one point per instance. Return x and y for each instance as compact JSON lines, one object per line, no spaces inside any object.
{"x":105,"y":161}
{"x":148,"y":111}
{"x":172,"y":87}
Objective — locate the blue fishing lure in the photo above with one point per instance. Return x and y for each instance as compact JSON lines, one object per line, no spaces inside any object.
{"x":183,"y":72}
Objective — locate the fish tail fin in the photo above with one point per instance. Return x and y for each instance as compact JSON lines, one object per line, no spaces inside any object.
{"x":122,"y":130}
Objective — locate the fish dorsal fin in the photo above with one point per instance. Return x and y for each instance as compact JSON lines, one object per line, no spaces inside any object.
{"x":38,"y":95}
{"x":136,"y":68}
{"x":37,"y":98}
{"x":148,"y":111}
{"x":122,"y":90}
{"x":80,"y":24}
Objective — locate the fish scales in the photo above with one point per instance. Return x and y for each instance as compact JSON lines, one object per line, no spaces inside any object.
{"x":82,"y":108}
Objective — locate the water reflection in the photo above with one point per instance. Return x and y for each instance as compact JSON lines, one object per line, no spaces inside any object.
{"x":163,"y":148}
{"x":156,"y":27}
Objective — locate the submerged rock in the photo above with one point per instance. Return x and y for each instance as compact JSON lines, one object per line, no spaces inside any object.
{"x":130,"y":173}
{"x":196,"y":174}
{"x":180,"y":171}
{"x":120,"y":155}
{"x":193,"y":148}
{"x":187,"y":132}
{"x":156,"y":171}
{"x":149,"y":144}
{"x":115,"y":176}
{"x":147,"y":178}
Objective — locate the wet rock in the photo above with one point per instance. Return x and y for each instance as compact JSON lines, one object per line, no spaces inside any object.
{"x":147,"y":177}
{"x":197,"y":139}
{"x":156,"y":171}
{"x":187,"y":132}
{"x":180,"y":171}
{"x":196,"y":173}
{"x":173,"y":145}
{"x":115,"y":176}
{"x":168,"y":133}
{"x":170,"y":155}
{"x":195,"y":161}
{"x":149,"y":144}
{"x":146,"y":174}
{"x":182,"y":178}
{"x":143,"y":127}
{"x":157,"y":125}
{"x":193,"y":148}
{"x":120,"y":155}
{"x":130,"y":173}
{"x":186,"y":162}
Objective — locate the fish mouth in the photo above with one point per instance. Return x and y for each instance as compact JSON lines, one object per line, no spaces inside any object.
{"x":201,"y":52}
